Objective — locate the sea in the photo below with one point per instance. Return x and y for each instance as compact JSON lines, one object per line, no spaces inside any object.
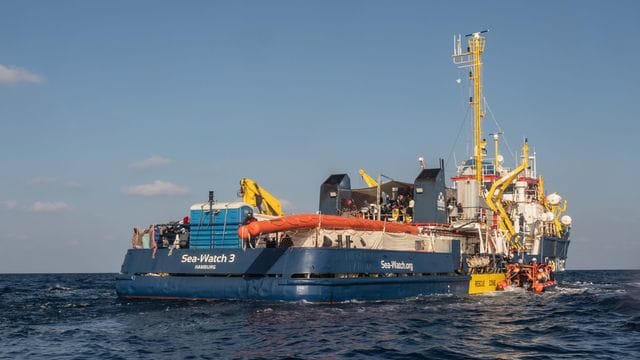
{"x":589,"y":315}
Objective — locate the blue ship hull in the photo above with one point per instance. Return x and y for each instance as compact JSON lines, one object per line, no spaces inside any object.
{"x":292,"y":274}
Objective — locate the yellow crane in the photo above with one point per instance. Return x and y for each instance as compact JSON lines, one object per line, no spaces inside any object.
{"x":494,"y":197}
{"x":367,"y":179}
{"x":255,"y":195}
{"x":556,"y":210}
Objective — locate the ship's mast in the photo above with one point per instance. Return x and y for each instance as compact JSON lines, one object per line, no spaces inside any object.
{"x":473,"y":58}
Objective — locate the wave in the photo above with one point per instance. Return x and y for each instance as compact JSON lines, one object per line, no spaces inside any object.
{"x":58,"y":288}
{"x":589,"y":314}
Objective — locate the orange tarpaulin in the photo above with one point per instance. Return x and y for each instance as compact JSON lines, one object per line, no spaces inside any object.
{"x":312,"y":221}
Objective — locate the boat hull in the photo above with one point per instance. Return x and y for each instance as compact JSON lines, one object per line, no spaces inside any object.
{"x":293,"y":274}
{"x":267,"y":288}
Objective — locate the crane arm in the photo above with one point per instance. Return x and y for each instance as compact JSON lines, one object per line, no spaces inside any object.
{"x":367,"y":179}
{"x":255,"y":195}
{"x":494,"y":198}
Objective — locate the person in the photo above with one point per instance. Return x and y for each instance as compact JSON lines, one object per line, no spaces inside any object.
{"x":249,"y":219}
{"x":152,"y":236}
{"x":145,"y":239}
{"x":271,"y":242}
{"x":251,"y":242}
{"x":542,"y":275}
{"x":401,"y":201}
{"x":412,"y":204}
{"x":286,"y":241}
{"x":136,"y":239}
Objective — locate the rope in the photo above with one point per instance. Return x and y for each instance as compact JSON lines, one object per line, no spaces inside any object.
{"x":201,"y":219}
{"x":243,"y":233}
{"x":455,"y":142}
{"x":224,"y":226}
{"x":513,"y":156}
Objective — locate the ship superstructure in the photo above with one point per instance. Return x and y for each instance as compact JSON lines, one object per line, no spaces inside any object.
{"x":509,"y":207}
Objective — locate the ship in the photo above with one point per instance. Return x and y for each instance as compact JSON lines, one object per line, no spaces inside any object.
{"x":491,"y":229}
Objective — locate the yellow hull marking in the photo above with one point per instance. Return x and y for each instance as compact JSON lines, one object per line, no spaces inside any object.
{"x":484,"y":283}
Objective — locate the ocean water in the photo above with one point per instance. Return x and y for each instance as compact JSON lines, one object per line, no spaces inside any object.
{"x":590,"y":315}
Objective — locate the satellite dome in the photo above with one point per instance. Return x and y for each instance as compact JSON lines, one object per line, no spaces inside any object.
{"x":566,"y":220}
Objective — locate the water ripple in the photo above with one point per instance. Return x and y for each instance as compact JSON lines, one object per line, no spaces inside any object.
{"x":591,"y":314}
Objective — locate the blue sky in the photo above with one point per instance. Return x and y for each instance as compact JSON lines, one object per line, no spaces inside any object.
{"x":118,"y":114}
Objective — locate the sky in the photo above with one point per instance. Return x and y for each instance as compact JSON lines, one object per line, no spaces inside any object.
{"x":118,"y":114}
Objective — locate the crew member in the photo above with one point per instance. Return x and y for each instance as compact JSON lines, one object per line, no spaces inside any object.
{"x":412,"y":204}
{"x":286,"y":241}
{"x":249,"y":219}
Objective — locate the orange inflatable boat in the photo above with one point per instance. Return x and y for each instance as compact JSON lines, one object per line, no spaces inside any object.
{"x":312,"y":221}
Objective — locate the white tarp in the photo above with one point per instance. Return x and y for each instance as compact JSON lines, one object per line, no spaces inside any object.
{"x":369,"y":240}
